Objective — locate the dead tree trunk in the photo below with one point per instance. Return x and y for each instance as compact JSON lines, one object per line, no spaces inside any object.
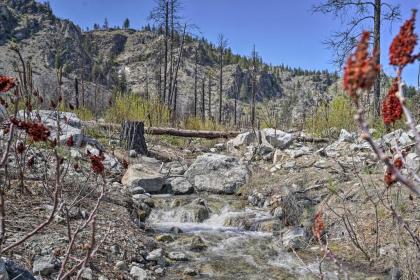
{"x":132,"y":134}
{"x":209,"y":105}
{"x":76,"y":92}
{"x":203,"y":102}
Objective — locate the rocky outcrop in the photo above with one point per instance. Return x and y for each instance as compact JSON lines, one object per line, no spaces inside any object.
{"x":217,"y":173}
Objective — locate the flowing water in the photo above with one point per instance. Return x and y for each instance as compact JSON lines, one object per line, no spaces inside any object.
{"x":234,"y":247}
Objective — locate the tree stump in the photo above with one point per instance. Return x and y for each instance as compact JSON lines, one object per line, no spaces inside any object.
{"x":132,"y":135}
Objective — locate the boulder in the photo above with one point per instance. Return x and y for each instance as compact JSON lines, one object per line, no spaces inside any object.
{"x":45,"y":265}
{"x":195,"y":212}
{"x":391,"y":139}
{"x":138,"y":273}
{"x":242,"y":140}
{"x":295,"y":238}
{"x":155,"y":255}
{"x":173,"y":168}
{"x":217,"y":173}
{"x":180,"y":185}
{"x":276,"y":138}
{"x":346,"y":136}
{"x":14,"y":271}
{"x":139,"y":175}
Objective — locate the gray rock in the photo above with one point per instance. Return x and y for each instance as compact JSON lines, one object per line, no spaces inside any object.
{"x":14,"y":271}
{"x":217,"y":174}
{"x":277,"y":138}
{"x":197,"y":244}
{"x":394,"y":274}
{"x":264,"y":149}
{"x":45,"y":265}
{"x":177,"y":256}
{"x":180,"y":185}
{"x":391,"y":139}
{"x":413,"y":162}
{"x":139,"y":175}
{"x":138,"y":273}
{"x":240,"y":141}
{"x":176,"y":230}
{"x":155,"y":255}
{"x":190,"y":272}
{"x":87,"y":274}
{"x":278,"y":212}
{"x":194,"y":212}
{"x":3,"y":272}
{"x":132,"y":153}
{"x":295,"y":238}
{"x":220,"y":146}
{"x":121,"y":266}
{"x":136,"y":190}
{"x":173,"y":168}
{"x":299,"y":152}
{"x":405,"y":139}
{"x":346,"y":136}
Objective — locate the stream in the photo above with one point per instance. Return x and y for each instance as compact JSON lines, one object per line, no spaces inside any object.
{"x":222,"y":237}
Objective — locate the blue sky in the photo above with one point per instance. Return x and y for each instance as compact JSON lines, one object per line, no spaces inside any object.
{"x":284,"y":31}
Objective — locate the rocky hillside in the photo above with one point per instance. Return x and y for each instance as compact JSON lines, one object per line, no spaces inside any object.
{"x":104,"y":58}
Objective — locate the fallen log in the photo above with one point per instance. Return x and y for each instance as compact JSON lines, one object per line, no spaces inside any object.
{"x":194,"y":133}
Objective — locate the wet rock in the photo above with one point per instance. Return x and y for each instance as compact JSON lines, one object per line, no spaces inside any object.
{"x":217,"y":174}
{"x":177,"y":256}
{"x":180,"y":185}
{"x":138,"y":273}
{"x":45,"y":265}
{"x":243,"y":221}
{"x":164,"y":238}
{"x":220,"y":146}
{"x":295,"y":238}
{"x":190,"y":272}
{"x":136,"y":190}
{"x":176,"y":230}
{"x":197,"y":244}
{"x":276,"y":138}
{"x":273,"y":225}
{"x":195,"y":212}
{"x":139,"y":175}
{"x":159,"y":271}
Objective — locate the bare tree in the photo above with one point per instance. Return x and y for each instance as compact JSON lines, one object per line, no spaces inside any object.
{"x":222,"y":42}
{"x":362,"y":11}
{"x":203,"y":102}
{"x":209,"y":94}
{"x":195,"y":81}
{"x":254,"y":58}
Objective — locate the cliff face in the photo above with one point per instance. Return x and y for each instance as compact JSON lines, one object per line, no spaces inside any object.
{"x":103,"y":58}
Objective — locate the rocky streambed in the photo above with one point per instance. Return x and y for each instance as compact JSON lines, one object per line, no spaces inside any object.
{"x":223,"y":237}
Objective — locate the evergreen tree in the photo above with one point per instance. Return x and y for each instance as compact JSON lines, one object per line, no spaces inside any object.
{"x":126,"y":24}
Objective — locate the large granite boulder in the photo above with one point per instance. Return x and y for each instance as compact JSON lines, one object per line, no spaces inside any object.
{"x":139,"y":175}
{"x":277,"y":138}
{"x":217,"y":173}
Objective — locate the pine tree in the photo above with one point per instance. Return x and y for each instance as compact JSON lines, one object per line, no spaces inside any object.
{"x":126,"y":24}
